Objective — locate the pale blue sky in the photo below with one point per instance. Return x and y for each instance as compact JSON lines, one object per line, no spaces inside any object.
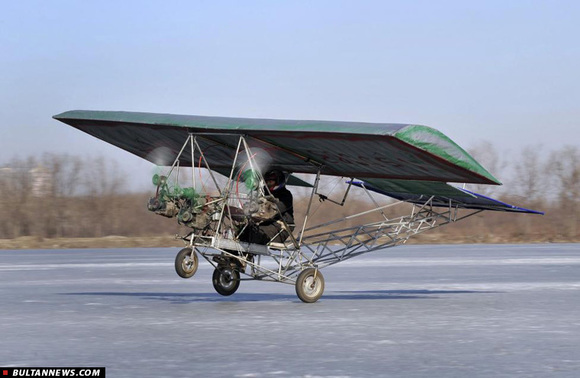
{"x":502,"y":71}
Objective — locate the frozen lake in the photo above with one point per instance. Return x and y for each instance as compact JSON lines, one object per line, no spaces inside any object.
{"x":411,"y":311}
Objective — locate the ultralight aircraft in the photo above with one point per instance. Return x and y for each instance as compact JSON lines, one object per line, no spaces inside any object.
{"x":410,"y":163}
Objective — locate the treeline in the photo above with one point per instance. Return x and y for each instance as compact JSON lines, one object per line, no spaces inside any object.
{"x":63,"y":196}
{"x":537,"y":179}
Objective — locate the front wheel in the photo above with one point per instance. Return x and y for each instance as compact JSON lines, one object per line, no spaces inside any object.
{"x":310,"y":285}
{"x":186,"y":263}
{"x":226,"y":280}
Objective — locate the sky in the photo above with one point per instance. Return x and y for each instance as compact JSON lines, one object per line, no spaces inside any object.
{"x":506,"y":72}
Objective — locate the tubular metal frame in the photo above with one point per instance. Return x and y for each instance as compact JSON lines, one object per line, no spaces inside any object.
{"x":314,"y":247}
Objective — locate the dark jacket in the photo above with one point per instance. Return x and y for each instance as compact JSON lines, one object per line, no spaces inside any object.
{"x":285,"y":202}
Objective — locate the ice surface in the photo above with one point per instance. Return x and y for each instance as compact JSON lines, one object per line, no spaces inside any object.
{"x":412,"y":311}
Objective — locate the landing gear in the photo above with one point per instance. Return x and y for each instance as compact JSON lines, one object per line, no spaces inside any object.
{"x":226,"y":280}
{"x":310,"y":285}
{"x":186,"y":263}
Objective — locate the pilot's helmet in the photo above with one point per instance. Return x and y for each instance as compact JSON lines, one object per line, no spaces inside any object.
{"x":275,"y":179}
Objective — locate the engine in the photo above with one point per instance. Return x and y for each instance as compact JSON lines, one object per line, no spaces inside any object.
{"x":190,"y":208}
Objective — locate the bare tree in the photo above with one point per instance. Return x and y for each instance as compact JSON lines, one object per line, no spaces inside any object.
{"x":18,"y":209}
{"x":494,"y":162}
{"x":6,"y":228}
{"x":529,"y":175}
{"x":65,"y":185}
{"x":104,"y":181}
{"x":565,"y":168}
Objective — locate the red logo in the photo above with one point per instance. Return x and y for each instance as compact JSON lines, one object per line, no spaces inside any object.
{"x":5,"y":372}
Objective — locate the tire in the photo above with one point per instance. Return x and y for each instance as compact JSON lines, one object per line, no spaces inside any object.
{"x":310,"y":285}
{"x":226,"y":280}
{"x":186,"y":263}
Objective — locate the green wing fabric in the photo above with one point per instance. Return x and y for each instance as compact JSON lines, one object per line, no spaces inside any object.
{"x":349,"y":149}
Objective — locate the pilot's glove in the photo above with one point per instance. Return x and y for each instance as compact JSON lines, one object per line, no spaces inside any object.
{"x":265,"y":199}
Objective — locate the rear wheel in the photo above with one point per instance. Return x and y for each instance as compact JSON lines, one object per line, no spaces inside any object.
{"x":310,"y":285}
{"x":186,"y":263}
{"x":226,"y":280}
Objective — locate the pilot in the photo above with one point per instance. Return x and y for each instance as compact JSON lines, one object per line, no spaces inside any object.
{"x":276,"y":212}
